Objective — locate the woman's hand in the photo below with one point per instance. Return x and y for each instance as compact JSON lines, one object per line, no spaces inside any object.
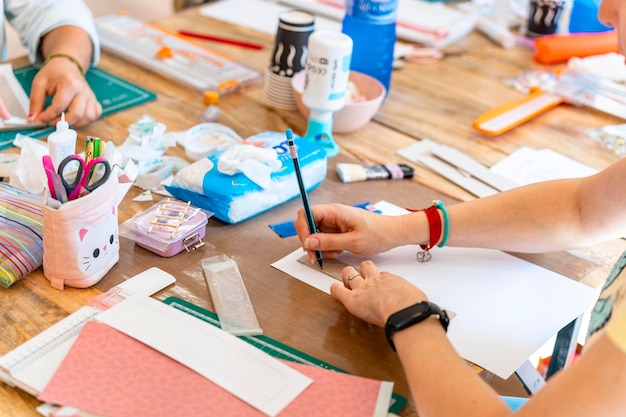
{"x":374,"y":296}
{"x":341,"y":227}
{"x":62,"y":79}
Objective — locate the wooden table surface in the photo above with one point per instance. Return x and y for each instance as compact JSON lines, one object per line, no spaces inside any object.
{"x":437,"y":101}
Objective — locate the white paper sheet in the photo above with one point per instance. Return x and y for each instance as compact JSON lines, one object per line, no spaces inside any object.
{"x":506,"y":308}
{"x":527,"y":166}
{"x":13,"y":93}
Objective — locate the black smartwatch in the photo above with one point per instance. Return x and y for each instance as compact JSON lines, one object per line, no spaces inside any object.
{"x":413,"y":315}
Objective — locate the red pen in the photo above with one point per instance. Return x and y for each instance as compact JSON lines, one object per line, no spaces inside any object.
{"x":220,"y":39}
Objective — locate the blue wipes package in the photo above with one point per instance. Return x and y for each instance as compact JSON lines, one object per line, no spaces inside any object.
{"x":234,"y":196}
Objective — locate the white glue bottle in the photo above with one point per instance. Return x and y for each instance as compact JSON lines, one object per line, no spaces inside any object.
{"x":326,"y":84}
{"x":62,"y":142}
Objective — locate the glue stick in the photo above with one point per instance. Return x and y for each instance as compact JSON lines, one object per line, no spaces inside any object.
{"x":62,"y":142}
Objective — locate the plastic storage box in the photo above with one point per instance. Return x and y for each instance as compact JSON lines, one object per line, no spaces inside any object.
{"x":168,"y":228}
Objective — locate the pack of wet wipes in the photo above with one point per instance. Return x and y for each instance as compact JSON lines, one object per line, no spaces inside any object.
{"x":246,"y":179}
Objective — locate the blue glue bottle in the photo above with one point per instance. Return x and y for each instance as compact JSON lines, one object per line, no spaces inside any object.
{"x":372,"y":26}
{"x":326,"y":84}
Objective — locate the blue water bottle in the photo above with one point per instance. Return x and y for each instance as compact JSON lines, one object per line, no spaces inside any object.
{"x":372,"y":26}
{"x":584,"y":17}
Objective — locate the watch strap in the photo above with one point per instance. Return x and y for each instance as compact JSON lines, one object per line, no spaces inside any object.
{"x":411,"y":315}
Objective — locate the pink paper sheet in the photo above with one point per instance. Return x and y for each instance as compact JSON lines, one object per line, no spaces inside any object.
{"x":109,"y":373}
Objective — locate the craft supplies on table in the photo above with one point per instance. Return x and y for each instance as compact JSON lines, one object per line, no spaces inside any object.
{"x":172,"y":55}
{"x":546,"y":91}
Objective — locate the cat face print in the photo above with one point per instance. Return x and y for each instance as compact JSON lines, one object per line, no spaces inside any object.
{"x":97,"y":243}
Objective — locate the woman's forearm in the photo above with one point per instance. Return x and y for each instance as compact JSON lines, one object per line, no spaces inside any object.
{"x":70,"y":40}
{"x":542,"y":217}
{"x":441,"y":382}
{"x":539,"y":218}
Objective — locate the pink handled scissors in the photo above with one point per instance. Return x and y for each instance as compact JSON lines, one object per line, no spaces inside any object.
{"x":87,"y":176}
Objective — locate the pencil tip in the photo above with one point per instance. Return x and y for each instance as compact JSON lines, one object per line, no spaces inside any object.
{"x":319,"y":261}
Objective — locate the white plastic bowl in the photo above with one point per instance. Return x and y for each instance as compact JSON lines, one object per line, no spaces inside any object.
{"x":352,"y":116}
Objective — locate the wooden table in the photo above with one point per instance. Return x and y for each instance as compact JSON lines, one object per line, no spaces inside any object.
{"x":437,"y":101}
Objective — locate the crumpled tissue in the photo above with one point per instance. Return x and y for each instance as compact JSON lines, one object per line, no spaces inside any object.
{"x":610,"y":66}
{"x":27,"y":172}
{"x":255,"y":163}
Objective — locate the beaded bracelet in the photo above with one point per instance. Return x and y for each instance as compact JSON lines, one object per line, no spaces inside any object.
{"x":62,"y":55}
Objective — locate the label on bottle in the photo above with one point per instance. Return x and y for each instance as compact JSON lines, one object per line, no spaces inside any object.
{"x":327,"y":71}
{"x":380,"y":11}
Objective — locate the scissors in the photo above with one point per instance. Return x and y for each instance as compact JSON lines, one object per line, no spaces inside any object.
{"x":84,"y":175}
{"x":63,"y":188}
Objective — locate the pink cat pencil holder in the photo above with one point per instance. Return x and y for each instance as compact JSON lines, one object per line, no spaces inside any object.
{"x":80,"y":238}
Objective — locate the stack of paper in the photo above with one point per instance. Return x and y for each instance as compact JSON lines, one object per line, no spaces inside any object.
{"x":524,"y":166}
{"x":430,"y":24}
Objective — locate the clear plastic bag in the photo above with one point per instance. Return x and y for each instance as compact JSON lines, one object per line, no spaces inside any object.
{"x":612,"y":137}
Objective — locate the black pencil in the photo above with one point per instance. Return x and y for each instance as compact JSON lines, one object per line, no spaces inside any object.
{"x":305,"y":197}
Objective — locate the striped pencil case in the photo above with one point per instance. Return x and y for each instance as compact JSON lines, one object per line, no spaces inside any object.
{"x":21,"y":233}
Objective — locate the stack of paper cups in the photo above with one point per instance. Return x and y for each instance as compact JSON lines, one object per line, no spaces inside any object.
{"x":288,"y":57}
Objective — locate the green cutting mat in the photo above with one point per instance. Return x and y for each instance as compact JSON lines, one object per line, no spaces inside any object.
{"x":114,"y":94}
{"x":271,"y":346}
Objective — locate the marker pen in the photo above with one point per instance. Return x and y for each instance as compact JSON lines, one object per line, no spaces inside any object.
{"x":355,"y":172}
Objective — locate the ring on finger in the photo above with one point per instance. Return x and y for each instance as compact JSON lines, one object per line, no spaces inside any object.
{"x":352,"y":276}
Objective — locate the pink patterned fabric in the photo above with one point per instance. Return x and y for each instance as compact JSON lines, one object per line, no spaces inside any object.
{"x":109,"y":373}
